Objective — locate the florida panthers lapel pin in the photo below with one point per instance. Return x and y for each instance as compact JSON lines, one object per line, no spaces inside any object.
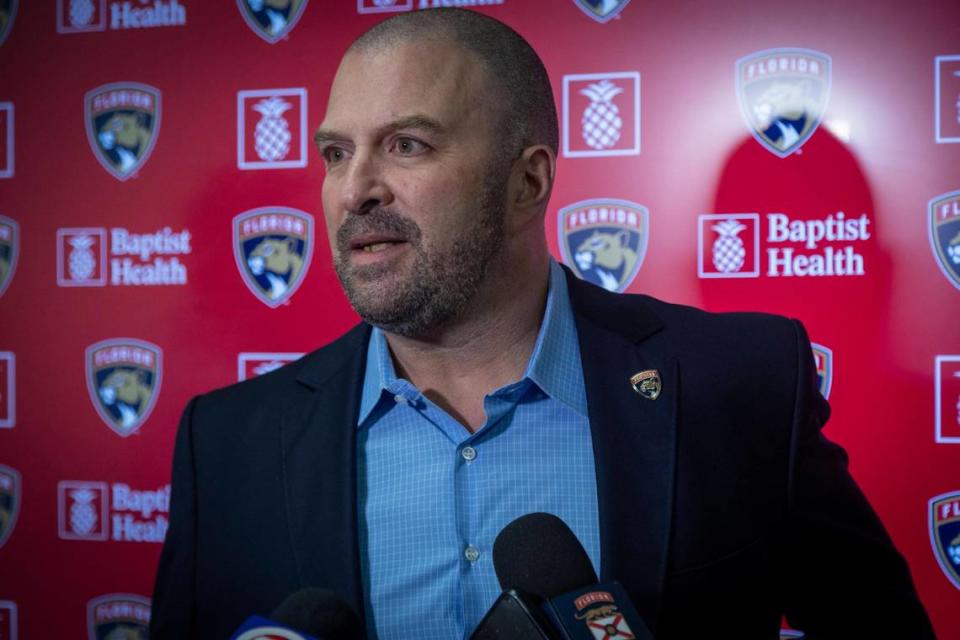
{"x":647,"y":383}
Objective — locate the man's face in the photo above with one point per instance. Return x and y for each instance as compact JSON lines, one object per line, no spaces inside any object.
{"x":414,"y":194}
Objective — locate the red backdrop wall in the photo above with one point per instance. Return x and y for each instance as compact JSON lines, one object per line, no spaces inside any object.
{"x":136,"y":138}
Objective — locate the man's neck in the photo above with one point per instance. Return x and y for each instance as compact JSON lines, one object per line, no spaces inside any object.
{"x":486,"y":348}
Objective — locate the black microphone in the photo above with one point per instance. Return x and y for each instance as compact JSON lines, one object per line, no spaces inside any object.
{"x":307,"y":614}
{"x":540,"y":562}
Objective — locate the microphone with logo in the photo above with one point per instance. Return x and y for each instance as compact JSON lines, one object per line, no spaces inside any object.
{"x":551,"y":590}
{"x":308,"y":614}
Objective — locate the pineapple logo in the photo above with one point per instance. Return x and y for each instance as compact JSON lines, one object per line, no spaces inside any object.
{"x":823,"y":363}
{"x":119,"y":616}
{"x":271,"y":19}
{"x":604,"y":241}
{"x":601,"y":120}
{"x":728,"y":245}
{"x":272,"y":134}
{"x":83,"y":514}
{"x":81,"y":12}
{"x":272,"y":247}
{"x":943,"y":221}
{"x":82,"y":260}
{"x":944,"y":525}
{"x":605,"y":107}
{"x":728,"y":251}
{"x":783,"y":94}
{"x":81,"y":257}
{"x":272,"y":128}
{"x":123,"y":379}
{"x":9,"y":501}
{"x":8,"y":11}
{"x":123,"y":122}
{"x":9,"y":250}
{"x":602,"y":10}
{"x":82,"y":510}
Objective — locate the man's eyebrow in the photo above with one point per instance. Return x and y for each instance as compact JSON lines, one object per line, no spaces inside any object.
{"x":408,"y":122}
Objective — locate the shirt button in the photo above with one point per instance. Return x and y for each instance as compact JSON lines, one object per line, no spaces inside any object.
{"x":399,"y":399}
{"x":468,"y":453}
{"x":471,"y":554}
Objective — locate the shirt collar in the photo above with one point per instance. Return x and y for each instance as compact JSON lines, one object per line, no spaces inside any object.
{"x":554,"y":365}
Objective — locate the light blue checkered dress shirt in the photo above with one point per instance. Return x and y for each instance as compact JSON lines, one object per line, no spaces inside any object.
{"x":433,"y":497}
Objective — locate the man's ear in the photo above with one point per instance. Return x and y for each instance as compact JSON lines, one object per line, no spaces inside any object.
{"x":532,"y":178}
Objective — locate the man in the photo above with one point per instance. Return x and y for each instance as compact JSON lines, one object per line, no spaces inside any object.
{"x":486,"y":382}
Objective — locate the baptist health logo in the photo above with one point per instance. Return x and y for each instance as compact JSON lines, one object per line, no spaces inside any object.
{"x":729,"y":245}
{"x":89,"y":510}
{"x":135,"y":259}
{"x":392,"y":6}
{"x":83,"y":16}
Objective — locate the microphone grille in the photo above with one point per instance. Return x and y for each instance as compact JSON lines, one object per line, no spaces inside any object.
{"x":539,"y":555}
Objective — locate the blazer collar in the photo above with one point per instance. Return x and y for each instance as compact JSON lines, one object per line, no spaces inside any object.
{"x":634,"y":438}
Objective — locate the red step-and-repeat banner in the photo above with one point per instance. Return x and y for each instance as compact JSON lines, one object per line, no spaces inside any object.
{"x":161,"y":234}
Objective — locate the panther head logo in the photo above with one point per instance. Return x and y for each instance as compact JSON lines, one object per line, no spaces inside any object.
{"x":783,"y":95}
{"x":123,"y":121}
{"x":278,"y":261}
{"x":272,"y":247}
{"x":271,"y":19}
{"x":607,"y":254}
{"x":9,"y":501}
{"x":123,"y":377}
{"x":9,"y":250}
{"x":126,"y":389}
{"x":128,"y":135}
{"x":604,"y":241}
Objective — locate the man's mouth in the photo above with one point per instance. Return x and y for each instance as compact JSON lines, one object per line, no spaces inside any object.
{"x":375,"y":243}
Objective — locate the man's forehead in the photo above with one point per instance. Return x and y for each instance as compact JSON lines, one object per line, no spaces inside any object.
{"x":435,"y":77}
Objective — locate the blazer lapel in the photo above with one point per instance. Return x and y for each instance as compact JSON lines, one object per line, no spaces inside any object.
{"x":319,"y":467}
{"x":634,"y":439}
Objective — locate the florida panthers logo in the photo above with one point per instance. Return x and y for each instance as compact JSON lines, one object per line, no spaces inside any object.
{"x":944,"y":222}
{"x":602,"y":10}
{"x":823,"y":360}
{"x":783,"y":94}
{"x":123,"y":378}
{"x":9,"y":501}
{"x":8,"y":11}
{"x":604,"y":241}
{"x":273,"y":246}
{"x":118,"y":616}
{"x":271,"y":19}
{"x":9,"y":250}
{"x":123,"y":121}
{"x":945,"y":533}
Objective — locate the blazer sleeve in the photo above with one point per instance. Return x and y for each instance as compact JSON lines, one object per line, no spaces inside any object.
{"x":172,"y":612}
{"x":844,"y":578}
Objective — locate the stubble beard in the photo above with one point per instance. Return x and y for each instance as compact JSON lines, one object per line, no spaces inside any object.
{"x":443,"y":279}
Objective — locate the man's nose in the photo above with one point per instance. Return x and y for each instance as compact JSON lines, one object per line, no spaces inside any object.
{"x":364,"y":186}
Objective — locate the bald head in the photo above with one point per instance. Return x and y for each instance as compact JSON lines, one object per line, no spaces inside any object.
{"x":516,"y":73}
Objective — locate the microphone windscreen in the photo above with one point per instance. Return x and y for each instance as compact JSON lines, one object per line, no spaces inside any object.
{"x":539,"y":555}
{"x":320,"y":613}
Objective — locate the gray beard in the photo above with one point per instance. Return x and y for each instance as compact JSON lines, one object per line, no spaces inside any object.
{"x":444,"y":279}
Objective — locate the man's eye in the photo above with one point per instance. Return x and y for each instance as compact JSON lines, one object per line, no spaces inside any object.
{"x":409,"y":146}
{"x":333,"y":155}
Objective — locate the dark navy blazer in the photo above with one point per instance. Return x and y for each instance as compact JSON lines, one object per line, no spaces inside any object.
{"x":721,"y":506}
